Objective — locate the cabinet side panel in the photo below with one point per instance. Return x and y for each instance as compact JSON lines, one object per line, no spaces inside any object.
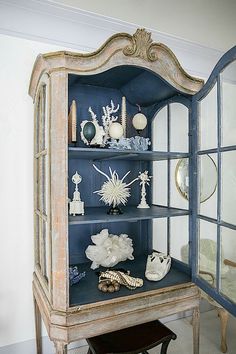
{"x":59,"y":209}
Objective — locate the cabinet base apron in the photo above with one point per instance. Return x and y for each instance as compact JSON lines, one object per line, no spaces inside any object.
{"x":87,"y":321}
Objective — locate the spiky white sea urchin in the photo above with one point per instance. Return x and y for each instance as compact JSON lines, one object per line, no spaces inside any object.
{"x":114,"y":191}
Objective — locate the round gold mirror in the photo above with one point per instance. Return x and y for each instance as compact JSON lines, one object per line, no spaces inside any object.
{"x":208,"y":179}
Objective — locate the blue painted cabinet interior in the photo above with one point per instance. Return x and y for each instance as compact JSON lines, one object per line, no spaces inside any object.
{"x":141,"y":87}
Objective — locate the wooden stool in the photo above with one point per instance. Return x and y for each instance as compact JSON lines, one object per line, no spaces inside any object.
{"x":132,"y":340}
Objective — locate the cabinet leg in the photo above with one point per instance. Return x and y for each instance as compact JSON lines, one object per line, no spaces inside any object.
{"x":196,"y":330}
{"x":224,"y":316}
{"x":61,"y":347}
{"x":38,"y":331}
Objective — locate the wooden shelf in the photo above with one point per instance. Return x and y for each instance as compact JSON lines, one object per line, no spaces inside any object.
{"x":107,"y":154}
{"x":95,"y":215}
{"x":86,"y":290}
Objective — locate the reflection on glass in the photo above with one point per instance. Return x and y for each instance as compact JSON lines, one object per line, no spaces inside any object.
{"x":228,"y":77}
{"x":178,"y":127}
{"x":207,"y":252}
{"x":159,"y":130}
{"x":209,"y":207}
{"x":160,"y":228}
{"x":159,"y":183}
{"x":228,"y":264}
{"x":179,"y":236}
{"x":208,"y":120}
{"x":228,"y":187}
{"x":208,"y":177}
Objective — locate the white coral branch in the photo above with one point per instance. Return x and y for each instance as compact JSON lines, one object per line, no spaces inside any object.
{"x":93,"y":115}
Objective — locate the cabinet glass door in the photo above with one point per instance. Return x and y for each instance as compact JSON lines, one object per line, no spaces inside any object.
{"x":214,"y":174}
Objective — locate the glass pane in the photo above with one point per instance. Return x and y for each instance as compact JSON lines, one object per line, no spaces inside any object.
{"x":179,"y":236}
{"x":208,"y":121}
{"x":179,"y":127}
{"x":45,"y":250}
{"x":160,"y":235}
{"x":177,"y":197}
{"x":43,"y":185}
{"x":228,"y":198}
{"x":208,"y":185}
{"x":42,"y":118}
{"x":228,"y":264}
{"x":207,"y":251}
{"x":229,"y":105}
{"x":159,"y":183}
{"x":37,"y":251}
{"x":182,"y":178}
{"x":159,"y":131}
{"x":38,"y":180}
{"x":37,"y":117}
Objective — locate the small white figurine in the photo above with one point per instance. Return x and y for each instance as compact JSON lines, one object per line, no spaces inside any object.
{"x":76,"y":206}
{"x":144,"y":178}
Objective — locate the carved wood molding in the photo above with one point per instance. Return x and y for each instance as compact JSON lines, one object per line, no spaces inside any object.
{"x":120,"y":49}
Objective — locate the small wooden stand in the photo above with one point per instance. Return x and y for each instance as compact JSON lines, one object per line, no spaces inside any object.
{"x":132,"y":340}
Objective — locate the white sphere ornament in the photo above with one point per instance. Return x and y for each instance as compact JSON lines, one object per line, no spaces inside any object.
{"x":116,"y":130}
{"x":139,"y":121}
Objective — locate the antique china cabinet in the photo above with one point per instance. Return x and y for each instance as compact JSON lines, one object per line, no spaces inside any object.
{"x":147,"y":74}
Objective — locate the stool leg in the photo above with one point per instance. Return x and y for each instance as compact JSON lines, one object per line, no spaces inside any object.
{"x":165,"y":346}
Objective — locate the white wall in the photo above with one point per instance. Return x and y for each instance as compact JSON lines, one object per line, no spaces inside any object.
{"x":16,"y":135}
{"x":210,"y":23}
{"x":16,"y":183}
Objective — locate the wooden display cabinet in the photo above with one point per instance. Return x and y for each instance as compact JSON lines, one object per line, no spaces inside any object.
{"x":148,"y":74}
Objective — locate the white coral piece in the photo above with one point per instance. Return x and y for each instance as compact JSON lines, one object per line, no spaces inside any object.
{"x":109,"y":249}
{"x":114,"y":191}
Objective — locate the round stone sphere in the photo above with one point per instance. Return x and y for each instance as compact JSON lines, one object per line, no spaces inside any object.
{"x":116,"y":130}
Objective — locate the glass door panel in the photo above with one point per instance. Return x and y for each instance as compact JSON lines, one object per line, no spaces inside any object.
{"x":160,"y":242}
{"x":228,"y":78}
{"x":208,"y":185}
{"x":208,"y":120}
{"x":179,"y":117}
{"x":160,"y":183}
{"x":215,"y":218}
{"x":207,"y":257}
{"x":179,"y":237}
{"x":228,"y":263}
{"x":160,"y":131}
{"x":228,"y":198}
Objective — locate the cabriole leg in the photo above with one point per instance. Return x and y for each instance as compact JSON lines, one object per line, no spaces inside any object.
{"x":38,"y":332}
{"x":224,"y":316}
{"x":196,"y":328}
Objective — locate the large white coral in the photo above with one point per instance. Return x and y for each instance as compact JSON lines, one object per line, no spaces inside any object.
{"x":114,"y":191}
{"x":109,"y":249}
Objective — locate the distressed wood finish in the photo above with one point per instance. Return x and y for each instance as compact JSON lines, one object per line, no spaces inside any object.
{"x":66,"y":324}
{"x":88,"y":321}
{"x":120,"y":49}
{"x":59,"y":189}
